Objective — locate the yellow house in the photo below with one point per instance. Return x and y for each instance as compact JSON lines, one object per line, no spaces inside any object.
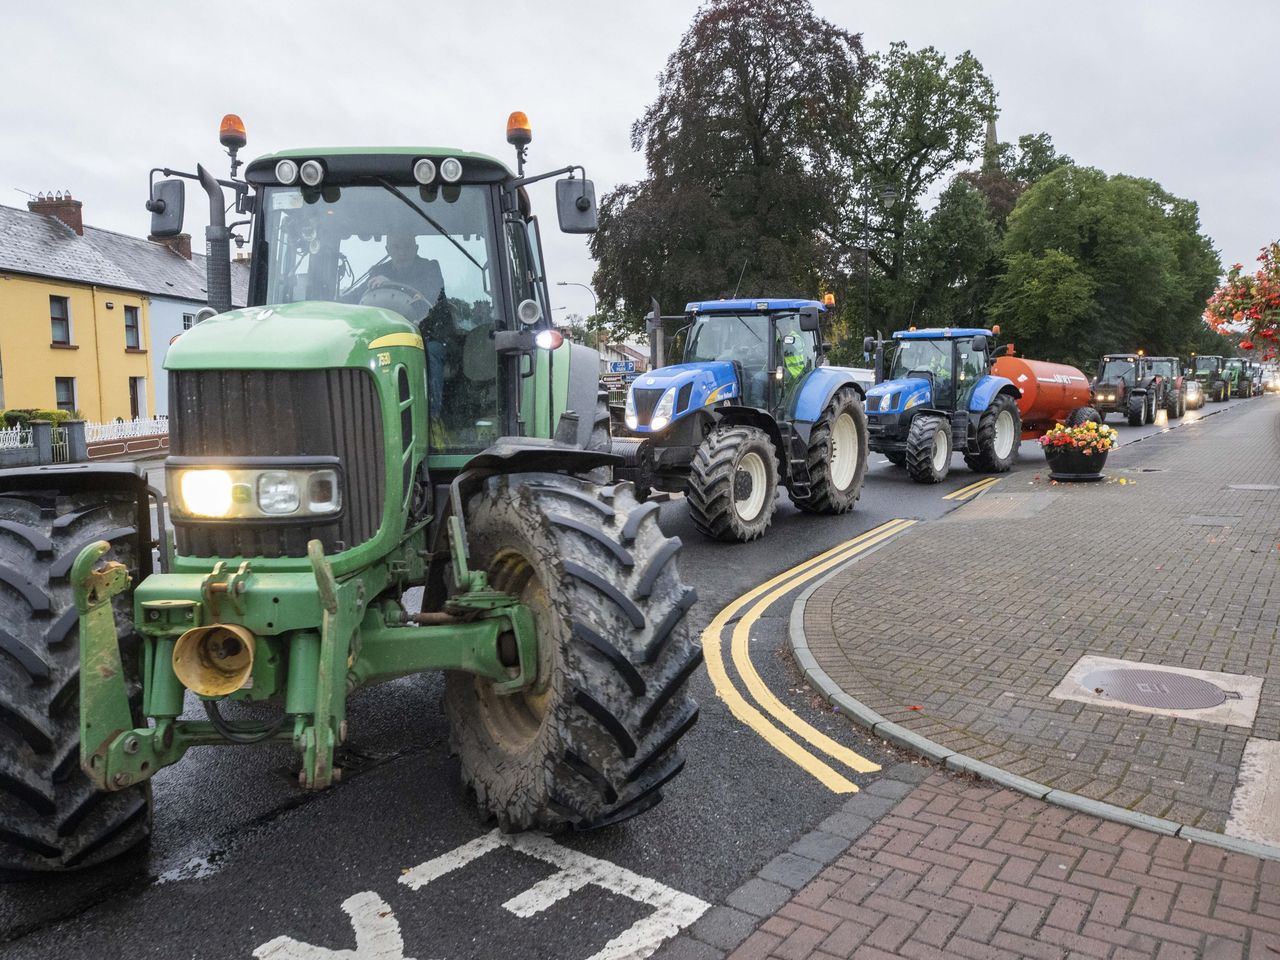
{"x":74,"y":323}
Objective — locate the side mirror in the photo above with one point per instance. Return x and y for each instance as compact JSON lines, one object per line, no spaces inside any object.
{"x":167,"y":206}
{"x":809,"y":319}
{"x":868,"y":344}
{"x":980,"y":344}
{"x":576,"y":205}
{"x":826,"y":346}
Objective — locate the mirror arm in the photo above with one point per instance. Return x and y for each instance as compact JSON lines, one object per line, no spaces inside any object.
{"x":519,"y":182}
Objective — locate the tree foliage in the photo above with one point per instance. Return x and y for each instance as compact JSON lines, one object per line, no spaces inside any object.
{"x":1247,"y":305}
{"x":1148,"y":267}
{"x":738,"y":147}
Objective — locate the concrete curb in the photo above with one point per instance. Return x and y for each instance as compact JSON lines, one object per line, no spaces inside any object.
{"x":864,"y":716}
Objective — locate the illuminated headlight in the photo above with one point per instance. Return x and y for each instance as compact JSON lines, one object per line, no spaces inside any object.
{"x":312,"y":173}
{"x":209,"y":493}
{"x":663,"y":411}
{"x":424,"y":171}
{"x":450,"y":170}
{"x":286,"y":171}
{"x":629,"y":412}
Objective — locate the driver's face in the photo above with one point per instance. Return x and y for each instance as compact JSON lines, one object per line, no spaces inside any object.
{"x":402,"y":250}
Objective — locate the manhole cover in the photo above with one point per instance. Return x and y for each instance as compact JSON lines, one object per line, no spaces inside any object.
{"x":1197,"y":520}
{"x":1253,"y":486}
{"x":1154,"y":688}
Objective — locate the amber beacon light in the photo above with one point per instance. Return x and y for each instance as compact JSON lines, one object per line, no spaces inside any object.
{"x":519,"y":133}
{"x":231,"y":132}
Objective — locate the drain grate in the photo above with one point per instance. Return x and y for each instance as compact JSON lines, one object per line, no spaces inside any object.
{"x":1154,"y":688}
{"x":1263,"y":487}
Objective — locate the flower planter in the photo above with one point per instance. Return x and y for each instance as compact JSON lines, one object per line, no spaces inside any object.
{"x":1073,"y":464}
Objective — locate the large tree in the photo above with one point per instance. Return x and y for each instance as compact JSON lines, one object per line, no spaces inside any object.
{"x":1136,"y":250}
{"x":740,"y":192}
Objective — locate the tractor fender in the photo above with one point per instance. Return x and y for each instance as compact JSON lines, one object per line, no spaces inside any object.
{"x":751,"y":417}
{"x":818,"y":389}
{"x":584,"y":389}
{"x":987,"y":389}
{"x":128,"y":478}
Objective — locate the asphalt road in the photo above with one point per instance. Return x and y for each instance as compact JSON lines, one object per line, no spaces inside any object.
{"x":241,"y":856}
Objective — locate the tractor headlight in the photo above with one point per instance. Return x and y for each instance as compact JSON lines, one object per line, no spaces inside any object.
{"x":629,"y":412}
{"x":663,"y":411}
{"x":249,"y":493}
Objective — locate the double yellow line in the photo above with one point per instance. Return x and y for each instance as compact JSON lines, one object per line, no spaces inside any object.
{"x":755,"y":602}
{"x":973,"y":489}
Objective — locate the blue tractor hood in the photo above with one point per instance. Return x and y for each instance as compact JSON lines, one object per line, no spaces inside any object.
{"x":893,"y":396}
{"x":692,"y":386}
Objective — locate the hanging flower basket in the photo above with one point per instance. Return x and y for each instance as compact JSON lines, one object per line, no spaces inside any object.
{"x":1077,"y":453}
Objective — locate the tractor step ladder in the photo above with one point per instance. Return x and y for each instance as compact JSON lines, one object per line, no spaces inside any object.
{"x":797,"y":462}
{"x":960,"y":431}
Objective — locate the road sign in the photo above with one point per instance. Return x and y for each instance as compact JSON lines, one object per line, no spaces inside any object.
{"x":622,"y":366}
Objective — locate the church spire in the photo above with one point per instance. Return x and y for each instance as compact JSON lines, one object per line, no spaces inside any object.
{"x":991,"y":149}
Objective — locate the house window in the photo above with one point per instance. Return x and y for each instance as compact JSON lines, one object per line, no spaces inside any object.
{"x":65,"y":390}
{"x":188,"y":321}
{"x":60,"y":320}
{"x":132,"y":329}
{"x":137,"y":397}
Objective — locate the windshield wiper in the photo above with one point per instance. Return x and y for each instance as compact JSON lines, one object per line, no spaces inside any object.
{"x":743,"y":320}
{"x":427,"y":217}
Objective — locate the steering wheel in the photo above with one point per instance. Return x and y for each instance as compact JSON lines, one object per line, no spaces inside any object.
{"x":400,"y":297}
{"x":743,"y":354}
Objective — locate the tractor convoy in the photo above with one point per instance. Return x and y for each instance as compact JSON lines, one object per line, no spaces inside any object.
{"x":395,"y":416}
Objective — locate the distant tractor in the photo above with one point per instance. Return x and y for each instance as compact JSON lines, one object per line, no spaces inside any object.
{"x":384,"y":466}
{"x":751,"y":407}
{"x":1212,"y":376}
{"x":1133,"y":385}
{"x":1169,"y":369}
{"x":1238,"y":377}
{"x":943,"y":393}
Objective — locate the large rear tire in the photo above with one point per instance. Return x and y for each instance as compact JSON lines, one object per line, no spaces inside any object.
{"x":594,"y":741}
{"x":1082,"y":415}
{"x":929,"y":449}
{"x":998,"y":435}
{"x":52,"y":817}
{"x":837,"y":456}
{"x":733,"y":484}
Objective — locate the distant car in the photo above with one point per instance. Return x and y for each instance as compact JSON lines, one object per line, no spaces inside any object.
{"x":1195,"y":394}
{"x":1271,"y":381}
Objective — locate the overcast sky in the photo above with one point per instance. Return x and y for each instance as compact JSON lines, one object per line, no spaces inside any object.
{"x":95,"y":94}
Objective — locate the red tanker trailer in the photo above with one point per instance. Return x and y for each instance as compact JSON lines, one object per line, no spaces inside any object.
{"x":943,"y":393}
{"x":1051,"y":392}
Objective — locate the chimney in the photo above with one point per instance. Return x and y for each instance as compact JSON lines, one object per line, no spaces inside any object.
{"x":180,"y":244}
{"x":59,"y":205}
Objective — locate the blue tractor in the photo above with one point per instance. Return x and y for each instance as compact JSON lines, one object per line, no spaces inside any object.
{"x":940,"y":395}
{"x":751,"y":406}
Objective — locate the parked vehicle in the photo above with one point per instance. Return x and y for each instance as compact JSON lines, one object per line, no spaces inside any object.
{"x":1173,"y":384}
{"x":1271,"y":380}
{"x":1194,"y":393}
{"x":751,"y":407}
{"x":335,"y":444}
{"x":943,"y":393}
{"x":1130,"y":384}
{"x":1209,"y":372}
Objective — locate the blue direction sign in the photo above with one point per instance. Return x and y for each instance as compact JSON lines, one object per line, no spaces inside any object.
{"x":622,"y":366}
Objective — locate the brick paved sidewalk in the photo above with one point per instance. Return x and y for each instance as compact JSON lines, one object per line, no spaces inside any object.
{"x":962,"y":869}
{"x":976,"y":618}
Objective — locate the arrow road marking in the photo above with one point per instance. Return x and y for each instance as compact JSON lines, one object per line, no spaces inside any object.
{"x":377,"y":935}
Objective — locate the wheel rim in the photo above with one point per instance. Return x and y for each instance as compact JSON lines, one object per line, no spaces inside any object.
{"x":514,"y":721}
{"x":941,"y":450}
{"x":749,"y":486}
{"x":1004,"y":434}
{"x":844,"y":451}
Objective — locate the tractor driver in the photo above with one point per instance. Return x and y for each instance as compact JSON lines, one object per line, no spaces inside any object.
{"x":423,"y":277}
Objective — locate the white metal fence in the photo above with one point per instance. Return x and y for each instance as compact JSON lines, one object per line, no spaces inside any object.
{"x":125,"y":429}
{"x":11,"y":438}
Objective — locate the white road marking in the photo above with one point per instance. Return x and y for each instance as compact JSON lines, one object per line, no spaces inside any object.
{"x":672,"y":910}
{"x":377,"y":936}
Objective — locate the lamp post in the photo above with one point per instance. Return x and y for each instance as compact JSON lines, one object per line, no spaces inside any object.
{"x":595,"y":304}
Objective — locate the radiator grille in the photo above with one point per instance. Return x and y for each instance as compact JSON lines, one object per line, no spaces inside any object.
{"x":281,"y":413}
{"x":646,"y":400}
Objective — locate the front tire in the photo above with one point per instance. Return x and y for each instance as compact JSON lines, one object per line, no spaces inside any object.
{"x":52,"y":817}
{"x":733,"y":484}
{"x":998,"y":435}
{"x":1082,"y":415}
{"x":1137,"y":415}
{"x":929,"y":449}
{"x":837,"y":456}
{"x":594,"y":741}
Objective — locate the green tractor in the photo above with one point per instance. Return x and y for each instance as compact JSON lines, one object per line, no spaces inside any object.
{"x":1239,"y":378}
{"x":379,"y":419}
{"x":1212,"y":376}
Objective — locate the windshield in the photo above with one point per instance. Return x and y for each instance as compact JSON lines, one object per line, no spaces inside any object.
{"x":1234,"y":364}
{"x":1206,"y":364}
{"x":931,"y":355}
{"x":1117,"y":369}
{"x":729,"y":336}
{"x":1164,"y":368}
{"x":426,"y":253}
